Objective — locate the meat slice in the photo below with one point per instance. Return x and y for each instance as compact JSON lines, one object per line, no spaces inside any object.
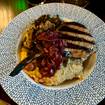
{"x":80,"y":42}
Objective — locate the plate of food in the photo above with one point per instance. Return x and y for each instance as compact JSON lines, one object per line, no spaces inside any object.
{"x":54,"y":54}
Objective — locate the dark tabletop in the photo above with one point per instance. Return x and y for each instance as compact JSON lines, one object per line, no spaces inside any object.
{"x":11,"y":8}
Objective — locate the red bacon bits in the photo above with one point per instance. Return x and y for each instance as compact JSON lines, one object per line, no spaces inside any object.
{"x":52,"y":48}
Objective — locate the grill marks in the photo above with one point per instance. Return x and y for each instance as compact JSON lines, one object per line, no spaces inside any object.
{"x":73,"y":38}
{"x":77,"y":26}
{"x":74,"y":46}
{"x":82,"y":44}
{"x":79,"y":41}
{"x":72,"y":29}
{"x":82,"y":36}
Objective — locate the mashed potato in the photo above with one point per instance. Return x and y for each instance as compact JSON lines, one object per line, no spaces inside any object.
{"x":72,"y":70}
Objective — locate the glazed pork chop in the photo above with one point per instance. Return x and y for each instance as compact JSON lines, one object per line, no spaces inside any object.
{"x":79,"y":41}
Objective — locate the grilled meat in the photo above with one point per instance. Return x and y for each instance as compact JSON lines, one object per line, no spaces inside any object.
{"x":79,"y":41}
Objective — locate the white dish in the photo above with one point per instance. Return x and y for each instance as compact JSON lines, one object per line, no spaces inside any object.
{"x":25,"y":92}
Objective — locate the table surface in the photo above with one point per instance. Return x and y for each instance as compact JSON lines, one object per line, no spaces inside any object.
{"x":10,"y":8}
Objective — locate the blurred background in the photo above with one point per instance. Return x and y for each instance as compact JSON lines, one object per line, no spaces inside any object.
{"x":10,"y":8}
